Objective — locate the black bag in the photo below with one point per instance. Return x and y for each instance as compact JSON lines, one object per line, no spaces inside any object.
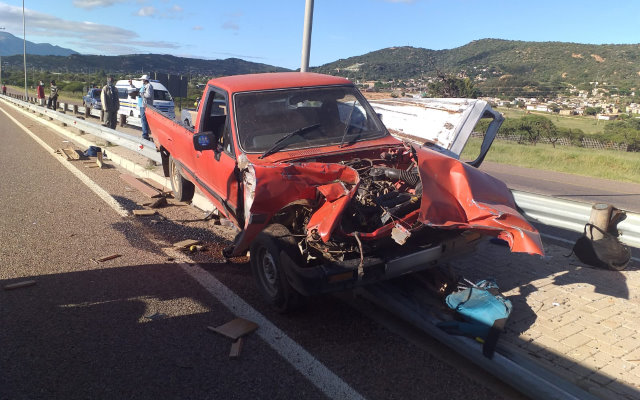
{"x":607,"y":253}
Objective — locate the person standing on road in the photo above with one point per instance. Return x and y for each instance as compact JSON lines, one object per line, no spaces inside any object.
{"x":4,"y":89}
{"x":40,"y":93}
{"x":145,"y":98}
{"x":53,"y":98}
{"x":110,"y":103}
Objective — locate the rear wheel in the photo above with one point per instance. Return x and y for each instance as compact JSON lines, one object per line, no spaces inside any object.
{"x":266,"y":266}
{"x":182,"y":188}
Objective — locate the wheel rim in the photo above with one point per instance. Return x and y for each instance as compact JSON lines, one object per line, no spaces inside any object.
{"x":175,"y":176}
{"x":268,"y":272}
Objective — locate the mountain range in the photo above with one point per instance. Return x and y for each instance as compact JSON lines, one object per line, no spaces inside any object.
{"x":501,"y":65}
{"x":496,"y":66}
{"x":11,"y":45}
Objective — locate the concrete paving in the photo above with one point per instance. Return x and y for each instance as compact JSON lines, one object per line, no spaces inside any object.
{"x":579,"y":321}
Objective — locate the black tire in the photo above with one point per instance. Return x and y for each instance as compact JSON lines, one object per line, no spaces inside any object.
{"x":266,"y":266}
{"x":182,"y":188}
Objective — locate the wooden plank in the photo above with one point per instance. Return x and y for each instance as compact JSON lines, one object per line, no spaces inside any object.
{"x":107,"y":258}
{"x":19,"y":285}
{"x":186,"y":243}
{"x":236,"y":347}
{"x":147,"y":190}
{"x":71,"y":154}
{"x":235,"y":329}
{"x":144,"y":213}
{"x":99,"y":159}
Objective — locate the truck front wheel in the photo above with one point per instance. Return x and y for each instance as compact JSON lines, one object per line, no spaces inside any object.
{"x":182,"y":188}
{"x":266,"y":266}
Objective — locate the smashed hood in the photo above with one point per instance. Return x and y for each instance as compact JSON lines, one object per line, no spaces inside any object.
{"x":456,"y":195}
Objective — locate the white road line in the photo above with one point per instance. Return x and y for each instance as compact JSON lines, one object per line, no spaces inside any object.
{"x":85,"y":179}
{"x":325,"y":380}
{"x":319,"y":375}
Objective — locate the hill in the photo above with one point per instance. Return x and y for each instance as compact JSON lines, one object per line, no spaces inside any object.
{"x":136,"y":63}
{"x":11,"y":45}
{"x":503,"y":66}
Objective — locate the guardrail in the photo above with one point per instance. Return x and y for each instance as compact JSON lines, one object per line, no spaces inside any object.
{"x":141,"y":146}
{"x":561,"y":213}
{"x":572,"y":215}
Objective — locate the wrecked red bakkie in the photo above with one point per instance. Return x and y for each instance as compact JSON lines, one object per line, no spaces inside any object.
{"x":324,"y":196}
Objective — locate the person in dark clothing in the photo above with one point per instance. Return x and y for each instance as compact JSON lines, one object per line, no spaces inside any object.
{"x":53,"y":98}
{"x":110,"y":103}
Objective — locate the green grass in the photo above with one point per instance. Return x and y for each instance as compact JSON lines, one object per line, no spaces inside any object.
{"x":608,"y":164}
{"x":588,"y":125}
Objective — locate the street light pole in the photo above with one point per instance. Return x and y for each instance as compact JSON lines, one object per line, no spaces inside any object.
{"x":24,"y":43}
{"x":306,"y":35}
{"x":1,"y":28}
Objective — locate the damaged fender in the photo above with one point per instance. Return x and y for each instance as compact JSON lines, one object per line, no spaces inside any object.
{"x":458,"y":196}
{"x":277,"y":186}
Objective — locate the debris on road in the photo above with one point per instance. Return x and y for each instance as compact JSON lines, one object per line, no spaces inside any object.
{"x":235,"y":329}
{"x":144,"y":213}
{"x":69,"y":154}
{"x":196,"y":247}
{"x":158,"y":203}
{"x":185,"y":244}
{"x":236,"y":347}
{"x":106,"y":258}
{"x":19,"y":285}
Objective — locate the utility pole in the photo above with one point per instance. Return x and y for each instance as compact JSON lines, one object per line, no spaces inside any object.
{"x":1,"y":28}
{"x":24,"y":43}
{"x":306,"y":35}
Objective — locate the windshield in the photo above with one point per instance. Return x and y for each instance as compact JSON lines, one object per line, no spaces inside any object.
{"x":340,"y":113}
{"x":161,"y":95}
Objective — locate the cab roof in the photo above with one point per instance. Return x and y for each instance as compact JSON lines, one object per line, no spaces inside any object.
{"x":275,"y":80}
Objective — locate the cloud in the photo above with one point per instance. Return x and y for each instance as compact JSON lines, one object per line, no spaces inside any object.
{"x":148,"y":11}
{"x":103,"y":38}
{"x":89,"y":4}
{"x":176,"y":9}
{"x":230,"y":25}
{"x":197,"y":28}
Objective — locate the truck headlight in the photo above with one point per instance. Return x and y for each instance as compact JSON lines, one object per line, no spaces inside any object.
{"x":249,"y":181}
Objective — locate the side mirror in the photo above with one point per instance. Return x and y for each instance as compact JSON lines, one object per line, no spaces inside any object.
{"x":205,"y":141}
{"x":379,"y":116}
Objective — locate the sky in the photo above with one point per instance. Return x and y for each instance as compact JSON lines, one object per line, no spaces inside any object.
{"x":270,"y":31}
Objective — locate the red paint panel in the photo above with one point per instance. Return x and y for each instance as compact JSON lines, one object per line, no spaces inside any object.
{"x":456,"y":195}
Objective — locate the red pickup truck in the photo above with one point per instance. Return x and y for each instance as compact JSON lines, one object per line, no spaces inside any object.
{"x":325,"y":198}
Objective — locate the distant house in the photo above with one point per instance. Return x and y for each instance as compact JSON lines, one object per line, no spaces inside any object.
{"x":566,"y":112}
{"x":607,"y":117}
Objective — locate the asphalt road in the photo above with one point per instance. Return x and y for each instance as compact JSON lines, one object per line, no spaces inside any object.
{"x":134,"y":326}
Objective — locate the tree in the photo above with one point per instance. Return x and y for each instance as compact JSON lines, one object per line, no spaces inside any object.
{"x":592,"y":110}
{"x":451,"y":86}
{"x":533,"y":127}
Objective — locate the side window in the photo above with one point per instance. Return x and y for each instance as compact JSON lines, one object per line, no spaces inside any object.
{"x":217,"y":119}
